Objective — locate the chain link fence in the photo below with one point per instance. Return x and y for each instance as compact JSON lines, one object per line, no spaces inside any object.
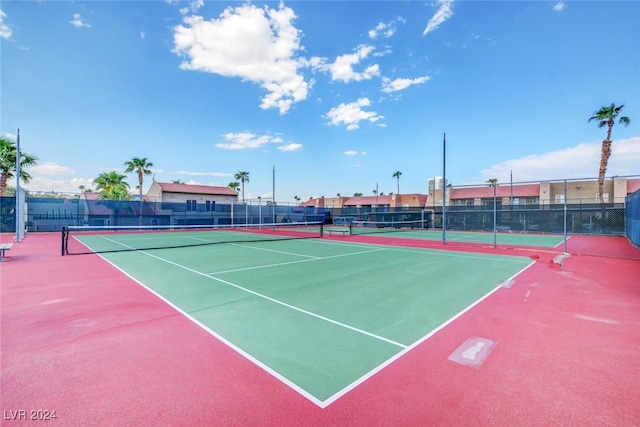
{"x":632,"y":218}
{"x":560,"y":208}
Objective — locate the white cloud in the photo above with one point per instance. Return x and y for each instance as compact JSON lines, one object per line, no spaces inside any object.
{"x":8,"y":135}
{"x":580,"y":161}
{"x":142,"y":34}
{"x":192,"y":7}
{"x":258,"y":45}
{"x":351,"y":153}
{"x":48,"y":168}
{"x":389,"y":85}
{"x":5,"y":31}
{"x":444,"y":12}
{"x":78,"y":22}
{"x":352,"y":114}
{"x":290,"y":147}
{"x":39,"y":183}
{"x":246,"y":139}
{"x":384,"y":30}
{"x":560,"y":6}
{"x":342,"y":69}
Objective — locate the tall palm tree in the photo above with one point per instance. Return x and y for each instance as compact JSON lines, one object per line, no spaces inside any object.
{"x":357,"y":194}
{"x":140,"y":166}
{"x":176,"y":181}
{"x":606,"y":116}
{"x":234,"y":185}
{"x":297,"y":199}
{"x":112,"y":186}
{"x":397,"y":176}
{"x":242,"y":177}
{"x":8,"y":159}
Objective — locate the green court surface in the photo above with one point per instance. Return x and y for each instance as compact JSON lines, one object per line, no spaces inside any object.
{"x":502,"y":238}
{"x":320,"y":315}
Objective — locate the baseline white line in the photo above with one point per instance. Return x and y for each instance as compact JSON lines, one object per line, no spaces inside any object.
{"x":398,"y":355}
{"x":225,"y":341}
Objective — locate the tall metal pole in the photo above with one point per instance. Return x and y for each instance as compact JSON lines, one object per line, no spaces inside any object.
{"x":19,"y":208}
{"x":565,"y":215}
{"x":273,"y":191}
{"x":495,"y":228}
{"x":444,"y":187}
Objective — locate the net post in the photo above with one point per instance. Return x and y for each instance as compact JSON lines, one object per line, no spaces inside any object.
{"x":322,"y":229}
{"x":63,"y":246}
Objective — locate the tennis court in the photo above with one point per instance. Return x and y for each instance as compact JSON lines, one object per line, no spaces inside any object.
{"x":320,"y":315}
{"x":331,"y":331}
{"x":416,"y":230}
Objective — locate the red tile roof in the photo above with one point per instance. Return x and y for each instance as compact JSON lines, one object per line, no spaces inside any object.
{"x":367,"y":201}
{"x":197,"y":189}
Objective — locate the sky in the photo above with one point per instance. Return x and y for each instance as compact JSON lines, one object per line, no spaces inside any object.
{"x":327,"y":97}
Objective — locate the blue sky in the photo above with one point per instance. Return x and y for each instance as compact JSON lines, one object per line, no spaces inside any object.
{"x":335,"y":96}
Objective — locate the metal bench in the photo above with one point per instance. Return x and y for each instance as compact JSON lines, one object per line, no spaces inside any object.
{"x":344,"y":232}
{"x":4,"y":247}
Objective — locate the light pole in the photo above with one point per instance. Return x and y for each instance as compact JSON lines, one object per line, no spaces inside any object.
{"x":493,"y":182}
{"x":580,"y":216}
{"x":495,"y":228}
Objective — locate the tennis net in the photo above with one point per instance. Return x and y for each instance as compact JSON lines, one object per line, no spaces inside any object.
{"x":375,"y":227}
{"x":102,"y":239}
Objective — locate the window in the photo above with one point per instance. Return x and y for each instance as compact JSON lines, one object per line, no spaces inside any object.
{"x":605,"y":196}
{"x":210,"y":206}
{"x":516,"y":200}
{"x":559,"y":198}
{"x":191,"y":205}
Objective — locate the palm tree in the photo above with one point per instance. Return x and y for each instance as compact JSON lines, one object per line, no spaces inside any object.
{"x":234,"y":185}
{"x":140,"y":166}
{"x":397,"y":176}
{"x":242,"y":177}
{"x":297,"y":199}
{"x":357,"y":194}
{"x":606,"y":116}
{"x":112,"y":186}
{"x":8,"y":159}
{"x":176,"y":181}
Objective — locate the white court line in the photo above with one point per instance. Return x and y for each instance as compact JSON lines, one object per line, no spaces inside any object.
{"x":407,"y":349}
{"x":562,"y":242}
{"x":239,"y":244}
{"x":429,"y":251}
{"x":268,"y":298}
{"x":293,"y":262}
{"x":321,"y":403}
